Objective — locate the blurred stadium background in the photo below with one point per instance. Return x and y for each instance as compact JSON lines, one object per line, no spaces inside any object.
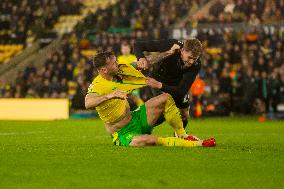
{"x":46,"y":47}
{"x":46,"y":50}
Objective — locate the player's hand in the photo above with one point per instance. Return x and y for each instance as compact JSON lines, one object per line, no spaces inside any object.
{"x":174,"y":48}
{"x":143,"y":63}
{"x":117,"y":94}
{"x":153,"y":83}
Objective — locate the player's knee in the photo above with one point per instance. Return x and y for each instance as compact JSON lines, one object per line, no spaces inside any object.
{"x":164,"y":98}
{"x":184,"y":117}
{"x":184,"y":114}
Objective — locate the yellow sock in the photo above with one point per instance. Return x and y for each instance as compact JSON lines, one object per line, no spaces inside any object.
{"x":172,"y":141}
{"x":173,"y":117}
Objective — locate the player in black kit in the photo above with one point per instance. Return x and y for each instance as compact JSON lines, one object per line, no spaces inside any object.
{"x":180,"y":62}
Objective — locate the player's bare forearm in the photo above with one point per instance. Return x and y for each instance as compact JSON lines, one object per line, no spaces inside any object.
{"x":154,"y":58}
{"x":93,"y":100}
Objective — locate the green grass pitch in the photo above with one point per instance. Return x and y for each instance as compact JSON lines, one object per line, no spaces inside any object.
{"x":79,"y":154}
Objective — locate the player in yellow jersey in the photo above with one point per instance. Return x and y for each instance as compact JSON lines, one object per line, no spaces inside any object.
{"x":126,"y":57}
{"x":107,"y":94}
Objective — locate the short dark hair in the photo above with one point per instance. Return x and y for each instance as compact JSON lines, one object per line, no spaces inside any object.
{"x":124,"y":43}
{"x":193,"y":45}
{"x":101,"y":58}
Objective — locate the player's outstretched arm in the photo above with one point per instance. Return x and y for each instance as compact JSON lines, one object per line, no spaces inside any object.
{"x":144,"y":63}
{"x":166,"y":48}
{"x":154,"y":58}
{"x":92,"y":100}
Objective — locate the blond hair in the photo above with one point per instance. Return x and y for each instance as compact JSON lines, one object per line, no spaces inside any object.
{"x":194,"y":46}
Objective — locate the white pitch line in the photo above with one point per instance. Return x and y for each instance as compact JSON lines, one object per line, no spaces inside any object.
{"x":39,"y":132}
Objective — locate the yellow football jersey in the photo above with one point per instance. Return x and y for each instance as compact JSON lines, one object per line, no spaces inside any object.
{"x":131,"y":79}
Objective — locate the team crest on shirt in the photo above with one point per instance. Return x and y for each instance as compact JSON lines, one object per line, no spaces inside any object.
{"x":91,"y":86}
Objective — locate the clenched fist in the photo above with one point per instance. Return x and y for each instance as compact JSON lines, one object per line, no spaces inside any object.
{"x":143,"y":63}
{"x":174,"y":48}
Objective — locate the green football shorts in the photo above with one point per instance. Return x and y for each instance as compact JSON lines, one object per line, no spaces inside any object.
{"x":137,"y":126}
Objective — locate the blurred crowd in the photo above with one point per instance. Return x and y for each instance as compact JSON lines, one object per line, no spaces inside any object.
{"x":250,"y":11}
{"x":65,"y":74}
{"x":28,"y":19}
{"x":243,"y":71}
{"x":129,"y":20}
